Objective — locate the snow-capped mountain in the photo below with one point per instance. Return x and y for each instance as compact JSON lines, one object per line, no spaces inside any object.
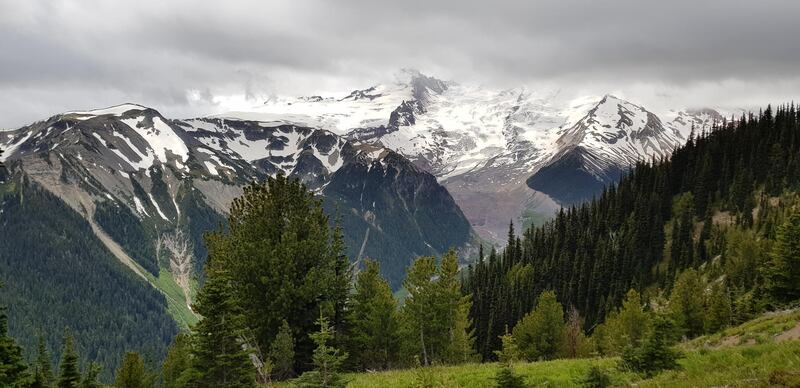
{"x":130,"y":164}
{"x":484,"y":145}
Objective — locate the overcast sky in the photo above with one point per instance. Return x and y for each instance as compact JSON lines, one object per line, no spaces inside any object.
{"x":184,"y":57}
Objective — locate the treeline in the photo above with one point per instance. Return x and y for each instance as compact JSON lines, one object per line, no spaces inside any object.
{"x":664,"y":217}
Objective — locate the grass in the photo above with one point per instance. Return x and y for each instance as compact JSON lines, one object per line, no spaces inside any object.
{"x":177,"y":306}
{"x":759,"y":330}
{"x":763,"y":364}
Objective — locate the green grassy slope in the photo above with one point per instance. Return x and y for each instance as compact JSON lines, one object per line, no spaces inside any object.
{"x":708,"y":361}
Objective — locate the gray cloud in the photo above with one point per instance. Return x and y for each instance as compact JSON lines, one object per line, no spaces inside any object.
{"x":178,"y":55}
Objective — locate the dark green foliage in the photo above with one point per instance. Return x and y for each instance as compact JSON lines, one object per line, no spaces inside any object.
{"x":687,"y":304}
{"x":624,"y":327}
{"x":284,"y":263}
{"x":506,"y":378}
{"x":91,"y":376}
{"x":783,"y":270}
{"x":218,"y":358}
{"x":327,"y":360}
{"x":125,"y":228}
{"x":69,"y":376}
{"x":43,"y":369}
{"x":655,"y":353}
{"x":372,"y":321}
{"x":176,"y":372}
{"x":282,"y":352}
{"x":647,"y":229}
{"x":132,"y":373}
{"x":431,"y":311}
{"x":540,"y":334}
{"x":595,"y":378}
{"x":13,"y":370}
{"x":58,"y":274}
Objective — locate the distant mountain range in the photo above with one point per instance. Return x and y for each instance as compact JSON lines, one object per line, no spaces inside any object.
{"x":411,"y":167}
{"x":502,"y":154}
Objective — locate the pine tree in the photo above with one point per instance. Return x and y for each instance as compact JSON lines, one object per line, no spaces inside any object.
{"x":373,"y":321}
{"x":282,"y":353}
{"x":783,"y":270}
{"x":43,"y":375}
{"x":718,"y":308}
{"x":686,"y":303}
{"x":218,"y":358}
{"x":176,"y":370}
{"x":327,"y":360}
{"x":69,"y":377}
{"x":655,"y":354}
{"x":132,"y":373}
{"x":284,"y":262}
{"x":510,"y":351}
{"x":91,"y":376}
{"x":13,"y":370}
{"x":462,"y":339}
{"x":506,"y":378}
{"x":540,"y":334}
{"x":623,"y":328}
{"x":420,"y":312}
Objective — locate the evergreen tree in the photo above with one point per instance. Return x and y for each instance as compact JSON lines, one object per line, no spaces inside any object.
{"x":70,"y":376}
{"x":422,"y":323}
{"x":540,"y":334}
{"x":91,"y":376}
{"x":218,"y":358}
{"x":687,"y":304}
{"x":510,"y":351}
{"x":718,"y":308}
{"x":43,"y":374}
{"x":783,"y":270}
{"x":655,"y":354}
{"x":13,"y":370}
{"x":176,"y":372}
{"x":283,"y":261}
{"x":506,"y":378}
{"x":132,"y":373}
{"x":327,"y":360}
{"x":462,"y":339}
{"x":431,"y":312}
{"x":373,"y":321}
{"x":623,"y":328}
{"x":282,"y":353}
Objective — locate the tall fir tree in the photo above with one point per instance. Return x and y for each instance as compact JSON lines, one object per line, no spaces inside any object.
{"x":540,"y":334}
{"x":69,"y":376}
{"x":783,"y":270}
{"x":687,"y":303}
{"x":282,"y":352}
{"x":373,"y":322}
{"x":13,"y":370}
{"x":176,"y":371}
{"x":218,"y":356}
{"x":132,"y":373}
{"x":43,"y":369}
{"x":284,"y":262}
{"x":91,"y":376}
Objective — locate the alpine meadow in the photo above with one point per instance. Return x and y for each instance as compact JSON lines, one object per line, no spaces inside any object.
{"x":399,"y":194}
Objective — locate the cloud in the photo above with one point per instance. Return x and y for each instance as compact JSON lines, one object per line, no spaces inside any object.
{"x":181,"y":56}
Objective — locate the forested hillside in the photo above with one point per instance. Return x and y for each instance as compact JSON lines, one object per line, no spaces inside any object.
{"x":725,"y":191}
{"x":56,"y":274}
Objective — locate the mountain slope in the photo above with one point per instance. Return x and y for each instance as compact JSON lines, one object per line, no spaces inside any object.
{"x":487,"y":146}
{"x":57,"y":274}
{"x":142,"y":178}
